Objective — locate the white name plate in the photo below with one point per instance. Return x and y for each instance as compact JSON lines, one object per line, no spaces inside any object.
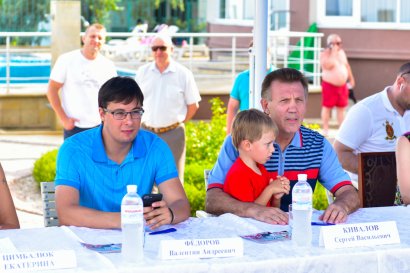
{"x":363,"y":234}
{"x":37,"y":260}
{"x":201,"y":248}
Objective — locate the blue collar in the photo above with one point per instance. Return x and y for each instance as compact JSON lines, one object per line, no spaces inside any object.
{"x":138,"y":149}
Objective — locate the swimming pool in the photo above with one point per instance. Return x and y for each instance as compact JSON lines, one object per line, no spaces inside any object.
{"x":25,"y":68}
{"x":29,"y":69}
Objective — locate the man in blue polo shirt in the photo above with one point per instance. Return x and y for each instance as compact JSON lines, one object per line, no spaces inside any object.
{"x":95,"y":167}
{"x":297,"y":150}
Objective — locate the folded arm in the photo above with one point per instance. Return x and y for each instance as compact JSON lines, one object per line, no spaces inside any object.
{"x":70,"y":213}
{"x":219,"y":202}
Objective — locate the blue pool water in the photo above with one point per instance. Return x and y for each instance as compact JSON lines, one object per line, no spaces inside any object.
{"x":25,"y":68}
{"x":28,"y":69}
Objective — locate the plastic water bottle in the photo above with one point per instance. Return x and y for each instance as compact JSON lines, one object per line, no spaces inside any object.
{"x":302,"y":212}
{"x":132,"y":224}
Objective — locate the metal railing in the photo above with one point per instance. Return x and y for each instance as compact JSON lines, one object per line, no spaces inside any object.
{"x":129,"y":51}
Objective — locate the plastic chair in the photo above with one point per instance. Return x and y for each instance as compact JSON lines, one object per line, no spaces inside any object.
{"x":49,"y":206}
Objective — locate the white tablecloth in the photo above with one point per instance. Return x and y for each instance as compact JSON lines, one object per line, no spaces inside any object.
{"x":272,"y":257}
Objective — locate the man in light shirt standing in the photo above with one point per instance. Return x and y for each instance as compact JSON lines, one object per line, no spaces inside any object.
{"x":375,"y":123}
{"x":336,"y":76}
{"x":171,"y":98}
{"x":80,"y":74}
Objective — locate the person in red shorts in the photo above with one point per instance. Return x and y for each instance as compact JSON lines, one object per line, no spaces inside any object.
{"x":253,"y":134}
{"x":336,"y":76}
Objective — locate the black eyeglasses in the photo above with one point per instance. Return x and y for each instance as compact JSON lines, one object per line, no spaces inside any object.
{"x":120,"y":114}
{"x":155,"y":48}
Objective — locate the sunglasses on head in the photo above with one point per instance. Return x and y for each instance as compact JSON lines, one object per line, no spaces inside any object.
{"x":155,"y":48}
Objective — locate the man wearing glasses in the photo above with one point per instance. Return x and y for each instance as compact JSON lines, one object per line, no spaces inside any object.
{"x":95,"y":167}
{"x":336,"y":73}
{"x":375,"y":123}
{"x":171,"y":98}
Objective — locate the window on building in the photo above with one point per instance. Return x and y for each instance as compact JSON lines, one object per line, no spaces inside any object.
{"x":364,"y":13}
{"x":378,"y":11}
{"x":222,"y":11}
{"x":279,"y":15}
{"x":405,"y":11}
{"x":339,"y":8}
{"x":243,"y":11}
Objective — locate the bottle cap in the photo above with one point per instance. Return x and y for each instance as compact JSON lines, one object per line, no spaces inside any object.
{"x":131,"y":188}
{"x":302,"y":177}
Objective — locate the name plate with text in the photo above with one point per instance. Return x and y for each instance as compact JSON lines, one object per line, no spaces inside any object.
{"x":363,"y":234}
{"x":37,"y":260}
{"x":201,"y":248}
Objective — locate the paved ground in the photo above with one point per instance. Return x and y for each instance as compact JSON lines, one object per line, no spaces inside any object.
{"x":18,"y":154}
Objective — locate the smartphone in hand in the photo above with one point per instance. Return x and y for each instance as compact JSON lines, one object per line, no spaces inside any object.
{"x":148,"y":199}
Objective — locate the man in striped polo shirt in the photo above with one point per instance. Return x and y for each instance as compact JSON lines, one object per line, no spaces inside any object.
{"x":297,"y":150}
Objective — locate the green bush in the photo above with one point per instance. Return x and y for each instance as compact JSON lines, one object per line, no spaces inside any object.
{"x":319,"y":197}
{"x":45,"y":167}
{"x":204,"y":139}
{"x":195,"y":185}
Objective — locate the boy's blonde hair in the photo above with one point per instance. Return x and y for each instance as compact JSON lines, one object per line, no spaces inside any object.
{"x":250,"y":125}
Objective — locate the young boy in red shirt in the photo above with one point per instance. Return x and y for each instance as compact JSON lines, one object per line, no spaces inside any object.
{"x":253,"y":133}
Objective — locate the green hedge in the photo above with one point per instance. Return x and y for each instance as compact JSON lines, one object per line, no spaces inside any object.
{"x":204,"y":140}
{"x":45,"y":167}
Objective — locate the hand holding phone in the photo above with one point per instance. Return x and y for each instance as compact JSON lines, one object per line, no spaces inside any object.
{"x":148,"y":199}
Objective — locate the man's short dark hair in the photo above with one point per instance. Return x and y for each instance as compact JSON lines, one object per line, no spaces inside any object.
{"x":288,"y":75}
{"x":404,"y":69}
{"x":120,"y":89}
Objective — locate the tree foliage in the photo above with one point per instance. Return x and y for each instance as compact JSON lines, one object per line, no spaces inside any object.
{"x":98,"y":10}
{"x":175,"y":4}
{"x":24,"y":15}
{"x":17,"y":15}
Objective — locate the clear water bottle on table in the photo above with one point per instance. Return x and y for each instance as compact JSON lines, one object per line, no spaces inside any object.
{"x":302,"y":212}
{"x":132,"y":225}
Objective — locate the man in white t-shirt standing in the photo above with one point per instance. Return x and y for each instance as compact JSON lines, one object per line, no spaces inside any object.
{"x":171,"y":98}
{"x":80,"y":74}
{"x":375,"y":123}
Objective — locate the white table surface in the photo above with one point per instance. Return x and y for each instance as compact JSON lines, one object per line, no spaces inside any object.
{"x":272,"y":257}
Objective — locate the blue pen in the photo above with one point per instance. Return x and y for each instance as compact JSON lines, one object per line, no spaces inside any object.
{"x":322,"y":224}
{"x":168,"y":230}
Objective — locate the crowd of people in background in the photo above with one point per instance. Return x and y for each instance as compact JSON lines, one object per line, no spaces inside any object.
{"x":113,"y":139}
